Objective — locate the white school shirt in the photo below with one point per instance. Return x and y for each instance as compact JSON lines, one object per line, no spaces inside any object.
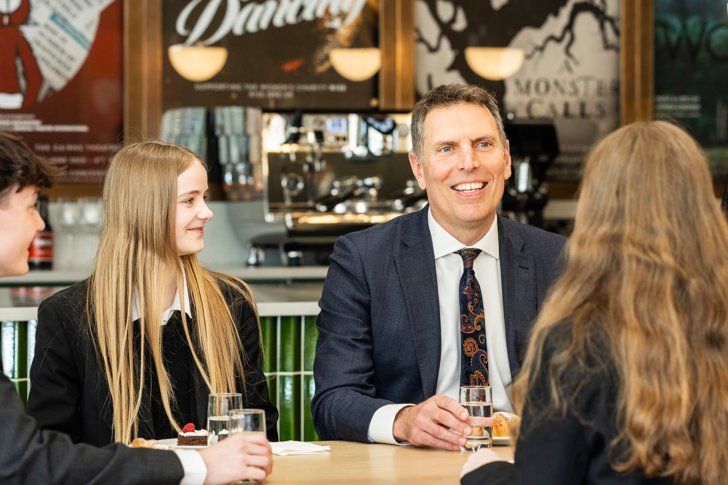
{"x":449,"y":270}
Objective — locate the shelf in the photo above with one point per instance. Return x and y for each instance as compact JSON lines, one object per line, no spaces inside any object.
{"x":248,"y":274}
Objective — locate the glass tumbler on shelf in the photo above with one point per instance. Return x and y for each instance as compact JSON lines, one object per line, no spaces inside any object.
{"x":219,"y":407}
{"x":478,"y":401}
{"x":67,"y":224}
{"x":91,"y":214}
{"x":247,"y":421}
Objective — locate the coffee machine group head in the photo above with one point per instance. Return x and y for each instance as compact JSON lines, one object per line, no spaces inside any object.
{"x":331,"y":173}
{"x":327,"y":174}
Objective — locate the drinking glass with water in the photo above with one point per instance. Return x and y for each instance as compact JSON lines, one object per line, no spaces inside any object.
{"x":248,"y":421}
{"x":478,"y":401}
{"x":219,"y":407}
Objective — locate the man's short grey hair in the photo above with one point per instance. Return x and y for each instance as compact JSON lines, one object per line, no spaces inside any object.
{"x":447,"y":95}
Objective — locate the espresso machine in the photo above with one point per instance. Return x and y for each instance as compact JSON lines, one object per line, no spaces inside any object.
{"x":534,"y":146}
{"x":327,"y":174}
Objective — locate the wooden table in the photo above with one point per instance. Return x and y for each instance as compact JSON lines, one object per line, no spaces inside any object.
{"x":359,"y":463}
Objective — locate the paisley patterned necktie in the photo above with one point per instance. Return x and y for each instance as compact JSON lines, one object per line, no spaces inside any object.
{"x":474,"y":358}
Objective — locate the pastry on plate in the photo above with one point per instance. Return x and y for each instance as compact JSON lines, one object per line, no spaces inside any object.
{"x":142,"y":443}
{"x":504,"y":424}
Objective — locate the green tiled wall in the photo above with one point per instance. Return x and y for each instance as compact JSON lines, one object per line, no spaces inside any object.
{"x":289,"y":343}
{"x":18,"y":345}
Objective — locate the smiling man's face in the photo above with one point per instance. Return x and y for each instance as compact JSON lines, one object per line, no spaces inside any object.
{"x":463,"y":168}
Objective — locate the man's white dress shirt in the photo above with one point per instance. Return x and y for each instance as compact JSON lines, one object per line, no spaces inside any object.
{"x":449,"y":270}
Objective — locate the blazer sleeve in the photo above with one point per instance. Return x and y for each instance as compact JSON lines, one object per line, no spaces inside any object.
{"x":56,"y":390}
{"x":33,"y":456}
{"x":554,"y":447}
{"x":256,"y":387}
{"x":345,"y":398}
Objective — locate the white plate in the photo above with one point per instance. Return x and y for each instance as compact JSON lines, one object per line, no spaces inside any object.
{"x":171,"y":443}
{"x":501,"y":440}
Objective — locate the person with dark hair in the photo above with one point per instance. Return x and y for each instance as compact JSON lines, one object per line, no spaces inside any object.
{"x":22,"y":174}
{"x":33,"y":456}
{"x":429,"y":301}
{"x":626,"y":377}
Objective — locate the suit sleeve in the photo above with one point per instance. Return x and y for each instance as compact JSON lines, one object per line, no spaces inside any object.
{"x":344,"y":401}
{"x":55,"y":394}
{"x":256,"y":386}
{"x":33,"y":456}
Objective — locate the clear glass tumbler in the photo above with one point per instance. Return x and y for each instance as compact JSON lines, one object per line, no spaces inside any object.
{"x":219,"y":407}
{"x":248,"y":421}
{"x":478,"y":401}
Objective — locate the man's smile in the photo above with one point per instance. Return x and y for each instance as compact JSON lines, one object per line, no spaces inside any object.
{"x":469,"y":187}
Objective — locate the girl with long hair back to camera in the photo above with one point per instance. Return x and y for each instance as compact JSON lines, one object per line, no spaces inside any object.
{"x":134,"y":350}
{"x":626,"y":376}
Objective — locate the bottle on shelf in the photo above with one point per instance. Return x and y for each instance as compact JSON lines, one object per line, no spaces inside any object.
{"x":41,"y":249}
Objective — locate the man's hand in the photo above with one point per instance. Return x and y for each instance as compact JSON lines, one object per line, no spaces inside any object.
{"x":432,"y":422}
{"x":238,"y":457}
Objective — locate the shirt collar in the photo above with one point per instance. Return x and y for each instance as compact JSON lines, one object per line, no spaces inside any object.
{"x":175,"y":306}
{"x":444,"y":243}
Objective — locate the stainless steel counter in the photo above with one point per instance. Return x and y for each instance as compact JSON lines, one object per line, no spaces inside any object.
{"x":248,"y":274}
{"x":272,"y":299}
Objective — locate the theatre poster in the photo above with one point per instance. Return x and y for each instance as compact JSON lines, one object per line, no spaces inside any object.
{"x":61,"y":84}
{"x":570,"y":69}
{"x":691,"y":72}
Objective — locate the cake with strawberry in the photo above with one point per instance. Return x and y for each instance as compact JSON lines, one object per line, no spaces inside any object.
{"x":189,"y":436}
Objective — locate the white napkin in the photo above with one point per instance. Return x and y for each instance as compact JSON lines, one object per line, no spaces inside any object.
{"x":284,"y":448}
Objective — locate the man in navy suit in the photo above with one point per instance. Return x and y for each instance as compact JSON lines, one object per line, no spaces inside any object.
{"x":388,"y":362}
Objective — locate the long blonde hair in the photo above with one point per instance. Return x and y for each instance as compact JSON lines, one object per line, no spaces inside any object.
{"x":136,"y":254}
{"x":646,"y":285}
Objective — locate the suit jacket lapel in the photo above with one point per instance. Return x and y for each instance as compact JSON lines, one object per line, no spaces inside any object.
{"x":415,"y":265}
{"x":518,"y":280}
